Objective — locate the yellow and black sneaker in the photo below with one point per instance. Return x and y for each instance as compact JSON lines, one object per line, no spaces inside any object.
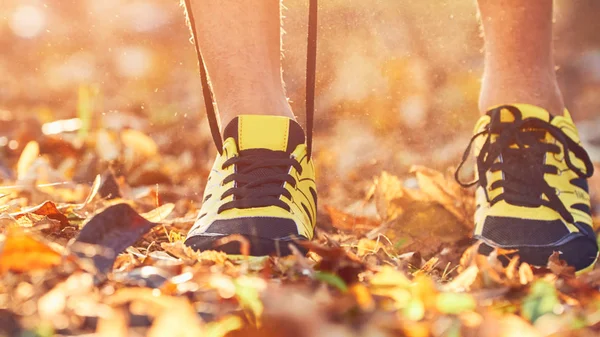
{"x":262,"y":186}
{"x":532,"y":192}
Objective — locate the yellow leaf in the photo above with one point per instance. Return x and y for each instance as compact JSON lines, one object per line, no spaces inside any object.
{"x":30,"y":153}
{"x":389,"y":277}
{"x":139,"y":142}
{"x":158,"y":214}
{"x":446,"y":192}
{"x":366,"y":246}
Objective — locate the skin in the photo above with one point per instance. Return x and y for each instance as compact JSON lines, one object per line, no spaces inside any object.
{"x":519,"y":62}
{"x":241,"y":43}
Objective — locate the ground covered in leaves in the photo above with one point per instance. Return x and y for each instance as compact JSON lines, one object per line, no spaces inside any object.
{"x":107,"y":258}
{"x":104,"y":153}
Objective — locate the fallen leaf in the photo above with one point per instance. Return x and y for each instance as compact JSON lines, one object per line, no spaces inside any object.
{"x":48,"y":209}
{"x":115,"y":228}
{"x":363,"y":297}
{"x":560,"y":267}
{"x":337,"y":261}
{"x":331,"y":279}
{"x":367,"y":246}
{"x":139,"y":142}
{"x":22,"y":252}
{"x":159,"y":214}
{"x":388,"y":195}
{"x":446,"y":192}
{"x":173,"y":316}
{"x":345,"y":221}
{"x":464,"y":280}
{"x":109,"y":187}
{"x":191,"y":256}
{"x":30,"y":153}
{"x":93,"y":191}
{"x":525,"y":273}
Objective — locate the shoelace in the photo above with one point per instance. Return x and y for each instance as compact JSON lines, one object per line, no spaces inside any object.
{"x":254,"y":188}
{"x":523,"y":166}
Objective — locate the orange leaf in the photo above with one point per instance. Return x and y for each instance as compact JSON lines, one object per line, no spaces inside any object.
{"x":48,"y":209}
{"x":345,"y":221}
{"x":22,"y":252}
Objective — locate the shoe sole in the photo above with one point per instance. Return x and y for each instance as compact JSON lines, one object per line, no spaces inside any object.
{"x":580,"y":253}
{"x":258,"y":246}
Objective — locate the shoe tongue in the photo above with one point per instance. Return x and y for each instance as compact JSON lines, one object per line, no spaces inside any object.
{"x":501,"y":117}
{"x":275,"y":133}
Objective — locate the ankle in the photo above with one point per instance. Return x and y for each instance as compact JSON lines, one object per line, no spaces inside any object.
{"x":271,"y":105}
{"x":538,"y":90}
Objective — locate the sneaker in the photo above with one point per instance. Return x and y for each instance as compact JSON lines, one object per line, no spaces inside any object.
{"x":532,"y":193}
{"x":262,"y":186}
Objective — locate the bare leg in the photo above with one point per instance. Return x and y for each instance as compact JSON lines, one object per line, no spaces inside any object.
{"x":241,"y":43}
{"x":519,"y":65}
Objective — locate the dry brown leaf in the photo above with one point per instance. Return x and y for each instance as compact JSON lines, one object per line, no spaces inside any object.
{"x":367,"y":246}
{"x":189,"y":255}
{"x":428,"y":266}
{"x":23,"y":252}
{"x":446,"y":192}
{"x":511,"y":268}
{"x":464,"y":280}
{"x":345,"y":221}
{"x":337,"y":261}
{"x":388,"y":195}
{"x":560,"y":267}
{"x":468,"y":257}
{"x":491,"y":268}
{"x":48,"y":209}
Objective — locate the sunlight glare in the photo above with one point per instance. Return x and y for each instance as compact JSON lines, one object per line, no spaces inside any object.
{"x":28,"y":21}
{"x":134,"y":61}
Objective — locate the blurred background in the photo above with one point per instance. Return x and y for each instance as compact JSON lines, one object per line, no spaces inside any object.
{"x":398,"y":80}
